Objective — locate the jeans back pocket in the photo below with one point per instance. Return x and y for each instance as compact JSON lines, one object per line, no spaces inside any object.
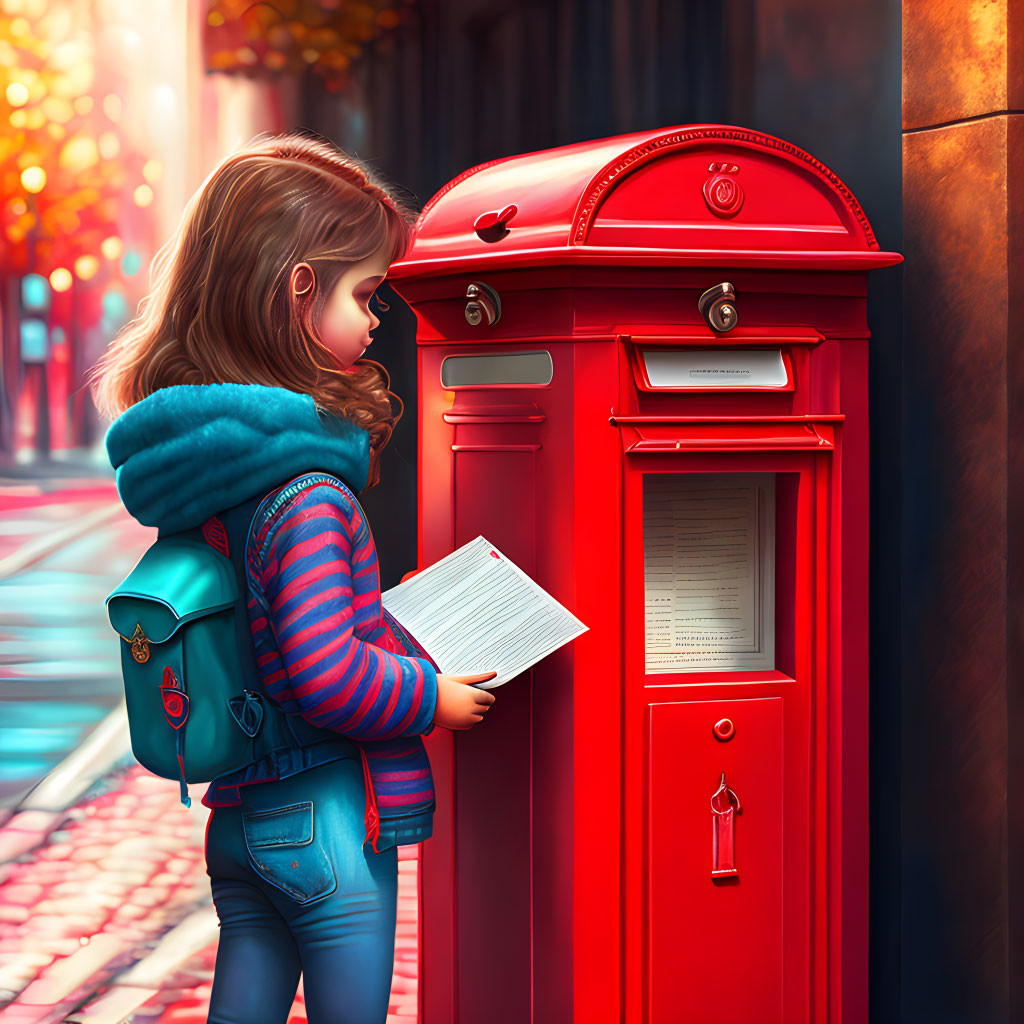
{"x":285,"y":851}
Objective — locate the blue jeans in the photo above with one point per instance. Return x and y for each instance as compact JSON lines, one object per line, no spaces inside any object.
{"x":296,"y":891}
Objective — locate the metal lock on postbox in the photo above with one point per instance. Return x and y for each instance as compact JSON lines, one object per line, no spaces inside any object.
{"x":484,"y":304}
{"x":718,"y":307}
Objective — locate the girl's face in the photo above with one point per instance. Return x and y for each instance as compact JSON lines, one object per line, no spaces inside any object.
{"x":346,"y":320}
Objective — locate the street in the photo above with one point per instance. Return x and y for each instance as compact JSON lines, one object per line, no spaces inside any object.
{"x":105,"y":912}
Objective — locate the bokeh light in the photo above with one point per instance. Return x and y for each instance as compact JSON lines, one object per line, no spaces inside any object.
{"x":33,"y":340}
{"x":33,"y":179}
{"x":61,"y":279}
{"x":17,"y":94}
{"x":131,"y":263}
{"x":58,"y":109}
{"x":112,"y":247}
{"x":79,"y":153}
{"x":114,"y":305}
{"x":35,"y":292}
{"x":112,"y":106}
{"x":86,"y":266}
{"x":143,"y":195}
{"x":109,"y":145}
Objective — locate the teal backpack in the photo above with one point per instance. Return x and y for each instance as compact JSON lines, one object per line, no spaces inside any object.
{"x":196,"y":708}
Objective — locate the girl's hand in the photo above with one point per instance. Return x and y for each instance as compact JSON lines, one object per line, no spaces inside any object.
{"x":460,"y":706}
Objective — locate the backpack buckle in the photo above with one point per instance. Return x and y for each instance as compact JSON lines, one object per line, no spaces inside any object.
{"x":247,"y":711}
{"x":140,"y":644}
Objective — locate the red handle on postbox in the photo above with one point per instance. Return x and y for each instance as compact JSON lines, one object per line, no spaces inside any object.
{"x":491,"y":226}
{"x":725,"y":804}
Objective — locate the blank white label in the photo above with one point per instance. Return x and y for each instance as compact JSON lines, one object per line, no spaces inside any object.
{"x":497,"y":369}
{"x":709,"y":571}
{"x":714,"y":367}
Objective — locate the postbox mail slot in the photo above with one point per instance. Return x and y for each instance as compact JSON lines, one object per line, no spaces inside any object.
{"x":714,"y":369}
{"x":527,"y":413}
{"x":495,"y":447}
{"x":768,"y":435}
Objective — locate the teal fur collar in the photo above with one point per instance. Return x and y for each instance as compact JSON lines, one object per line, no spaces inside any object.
{"x":186,"y":452}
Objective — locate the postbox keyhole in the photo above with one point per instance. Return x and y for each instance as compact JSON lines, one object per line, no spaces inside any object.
{"x":718,"y":307}
{"x":483,"y":305}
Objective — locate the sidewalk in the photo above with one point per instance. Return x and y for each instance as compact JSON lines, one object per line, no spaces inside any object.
{"x":105,"y":909}
{"x":111,"y":916}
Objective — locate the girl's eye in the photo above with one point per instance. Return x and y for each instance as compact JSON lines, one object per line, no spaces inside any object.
{"x":379,"y":305}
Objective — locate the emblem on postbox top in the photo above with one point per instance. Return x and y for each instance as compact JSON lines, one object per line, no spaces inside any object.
{"x":722,"y":192}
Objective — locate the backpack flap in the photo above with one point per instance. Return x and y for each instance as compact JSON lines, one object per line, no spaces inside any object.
{"x":171,"y":584}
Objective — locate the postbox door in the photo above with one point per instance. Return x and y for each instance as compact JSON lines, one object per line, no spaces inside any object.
{"x":716,"y":943}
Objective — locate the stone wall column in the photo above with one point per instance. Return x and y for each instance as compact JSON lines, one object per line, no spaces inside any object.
{"x":963,"y":513}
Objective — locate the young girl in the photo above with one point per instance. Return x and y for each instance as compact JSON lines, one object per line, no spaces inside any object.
{"x":242,"y":374}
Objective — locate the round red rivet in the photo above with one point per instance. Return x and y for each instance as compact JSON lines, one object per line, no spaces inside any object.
{"x":724,"y":729}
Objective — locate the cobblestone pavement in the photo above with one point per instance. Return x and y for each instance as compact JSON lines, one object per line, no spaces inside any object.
{"x":105,"y":912}
{"x":109,"y":918}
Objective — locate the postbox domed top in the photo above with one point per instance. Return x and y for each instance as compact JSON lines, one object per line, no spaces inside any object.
{"x":697,"y":195}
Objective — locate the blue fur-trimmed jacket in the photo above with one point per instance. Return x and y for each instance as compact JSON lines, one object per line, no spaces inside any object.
{"x":330,"y":652}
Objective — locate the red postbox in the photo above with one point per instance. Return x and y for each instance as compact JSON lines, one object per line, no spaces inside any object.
{"x":643,"y":367}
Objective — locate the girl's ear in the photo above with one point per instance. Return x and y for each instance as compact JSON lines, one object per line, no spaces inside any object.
{"x":303,"y":279}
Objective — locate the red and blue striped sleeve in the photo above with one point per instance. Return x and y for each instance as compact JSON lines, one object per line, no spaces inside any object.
{"x":318,"y":573}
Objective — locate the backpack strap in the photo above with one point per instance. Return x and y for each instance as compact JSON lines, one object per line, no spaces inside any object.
{"x":216,"y":536}
{"x":265,"y":511}
{"x":283,"y":496}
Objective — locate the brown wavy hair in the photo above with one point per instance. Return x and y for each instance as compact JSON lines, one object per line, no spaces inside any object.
{"x":220,"y":307}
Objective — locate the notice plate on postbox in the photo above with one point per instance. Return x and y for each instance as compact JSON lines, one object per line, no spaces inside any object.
{"x":715,"y":368}
{"x":709,"y":571}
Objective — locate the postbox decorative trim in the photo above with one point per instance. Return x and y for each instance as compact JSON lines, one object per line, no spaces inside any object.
{"x":457,"y":180}
{"x":656,"y":334}
{"x":658,"y":435}
{"x":625,"y":164}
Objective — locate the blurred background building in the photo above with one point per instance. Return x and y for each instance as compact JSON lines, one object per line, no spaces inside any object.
{"x":115,"y":112}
